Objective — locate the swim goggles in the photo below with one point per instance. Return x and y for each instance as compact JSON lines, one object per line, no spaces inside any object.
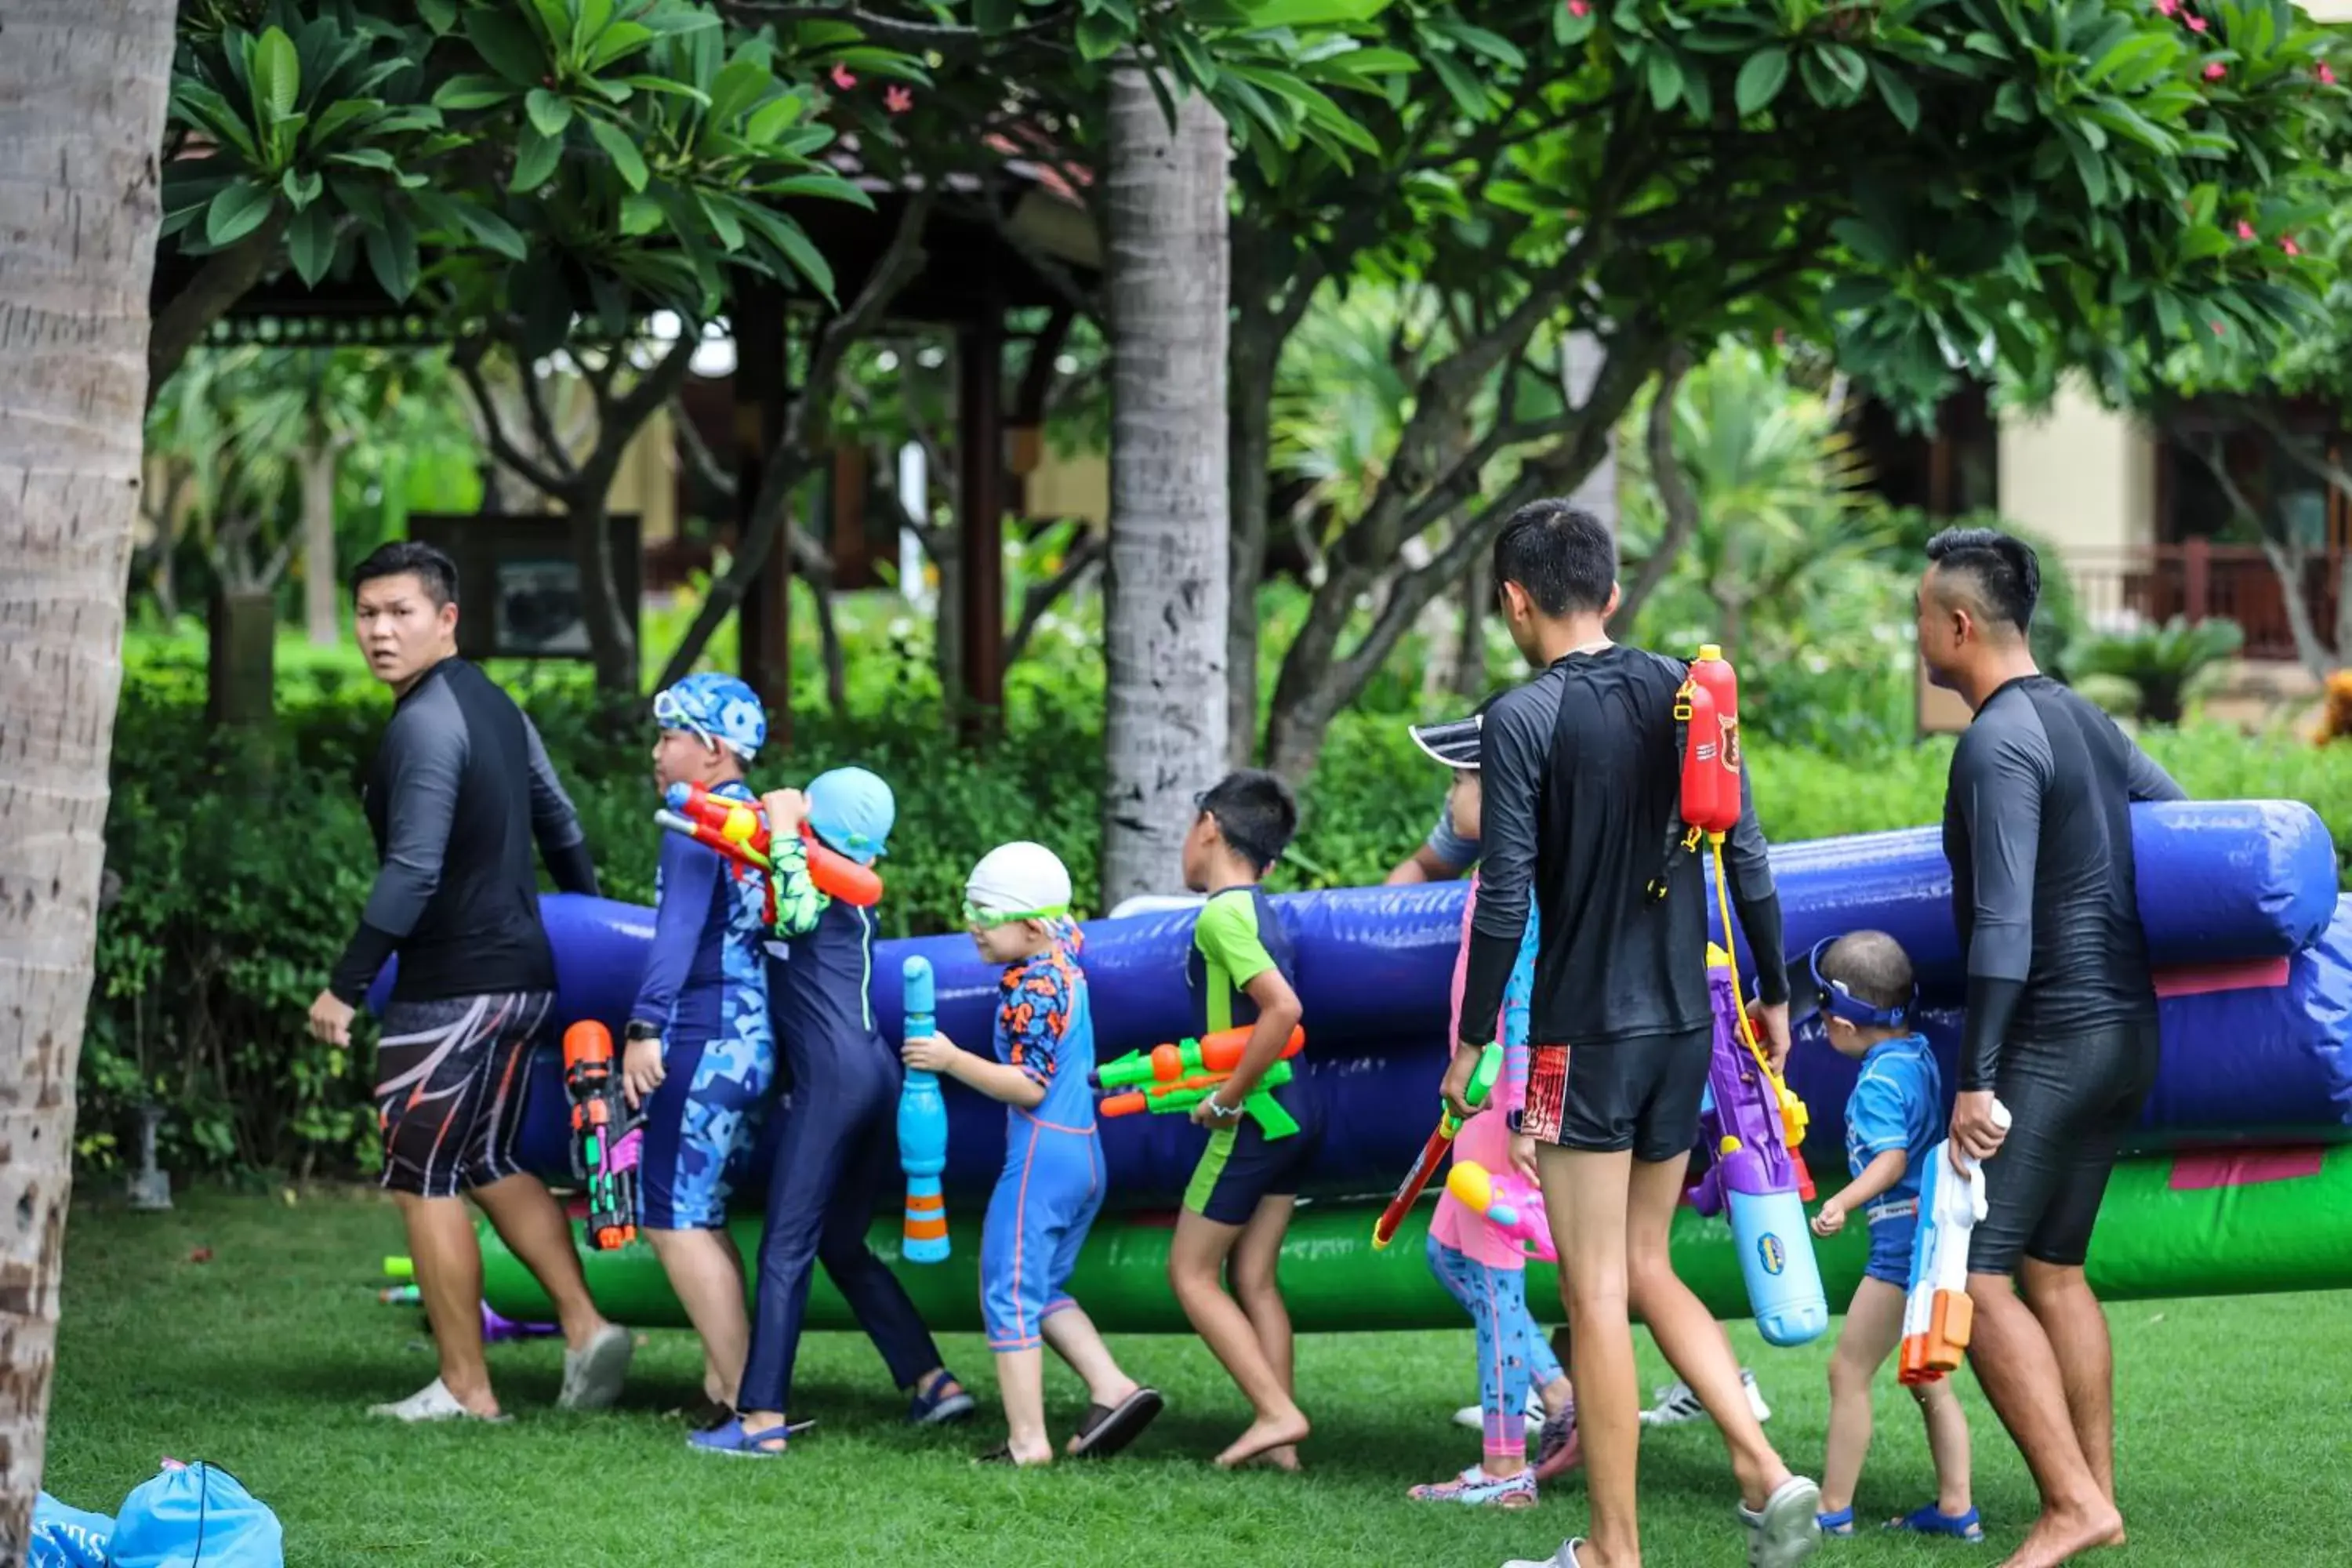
{"x":988,"y":920}
{"x":1832,"y":997}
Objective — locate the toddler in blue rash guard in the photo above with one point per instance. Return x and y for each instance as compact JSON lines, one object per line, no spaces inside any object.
{"x":701,"y":1056}
{"x":1016,"y":906}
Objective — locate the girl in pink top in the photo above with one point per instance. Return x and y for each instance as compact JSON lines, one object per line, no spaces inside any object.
{"x":1485,"y":1268}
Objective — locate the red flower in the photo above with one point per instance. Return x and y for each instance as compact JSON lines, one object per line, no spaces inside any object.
{"x":2216,"y":71}
{"x":842,"y":78}
{"x":2326,"y":74}
{"x":898,"y":100}
{"x":2245,"y":229}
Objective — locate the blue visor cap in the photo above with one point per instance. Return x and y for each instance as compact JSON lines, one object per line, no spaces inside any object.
{"x":853,"y":811}
{"x":1832,"y":999}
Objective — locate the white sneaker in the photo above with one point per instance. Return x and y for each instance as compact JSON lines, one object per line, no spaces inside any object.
{"x":1677,"y":1405}
{"x":1473,"y":1416}
{"x":434,"y":1402}
{"x":592,"y":1376}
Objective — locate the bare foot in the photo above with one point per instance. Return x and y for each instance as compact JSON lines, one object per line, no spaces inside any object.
{"x":2057,"y":1538}
{"x":1265,"y":1436}
{"x":1283,"y":1458}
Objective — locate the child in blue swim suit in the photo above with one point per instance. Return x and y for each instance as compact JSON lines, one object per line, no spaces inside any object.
{"x":1861,"y":983}
{"x":836,"y":1156}
{"x":1016,"y":906}
{"x":701,"y":1056}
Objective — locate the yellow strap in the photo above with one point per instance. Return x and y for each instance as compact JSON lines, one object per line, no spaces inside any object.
{"x":1793,"y":1116}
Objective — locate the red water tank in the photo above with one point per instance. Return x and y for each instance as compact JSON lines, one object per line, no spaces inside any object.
{"x":1714,"y":675}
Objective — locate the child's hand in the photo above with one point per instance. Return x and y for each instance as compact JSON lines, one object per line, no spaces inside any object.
{"x":1831,"y":1220}
{"x":1204,"y":1117}
{"x":1523,"y":1157}
{"x":930,"y":1053}
{"x":641,"y":1071}
{"x":786,"y":809}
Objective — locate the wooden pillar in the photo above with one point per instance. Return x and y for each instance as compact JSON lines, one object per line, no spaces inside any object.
{"x":763,"y":621}
{"x":979,"y":447}
{"x":2199,"y":572}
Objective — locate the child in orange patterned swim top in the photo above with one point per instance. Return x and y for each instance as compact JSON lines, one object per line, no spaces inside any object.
{"x":1017,"y":908}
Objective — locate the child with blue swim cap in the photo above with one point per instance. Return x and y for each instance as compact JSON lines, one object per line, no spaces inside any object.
{"x":837,"y":1153}
{"x":701,"y":1056}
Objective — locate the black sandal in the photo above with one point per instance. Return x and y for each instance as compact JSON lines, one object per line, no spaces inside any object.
{"x":1106,"y":1431}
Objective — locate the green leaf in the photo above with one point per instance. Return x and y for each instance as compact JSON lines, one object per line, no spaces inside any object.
{"x":736,"y":88}
{"x":367,"y":158}
{"x":2133,"y":45}
{"x":772,"y":119}
{"x":1852,"y":72}
{"x":787,"y":236}
{"x":1868,"y":242}
{"x":2204,"y":240}
{"x":237,"y":211}
{"x":277,"y":76}
{"x":301,"y":187}
{"x":1901,"y":102}
{"x":1199,"y":67}
{"x":723,"y":222}
{"x":535,"y":160}
{"x":438,"y":15}
{"x":1311,"y":13}
{"x":311,"y":243}
{"x":506,"y":44}
{"x":1100,"y":36}
{"x":1761,"y":79}
{"x":993,"y":17}
{"x":492,"y":230}
{"x":1479,"y":40}
{"x":549,"y":113}
{"x":1467,"y":92}
{"x":626,"y":158}
{"x":662,"y":84}
{"x":473,"y":91}
{"x":826,"y":185}
{"x":392,"y":257}
{"x":1666,"y":76}
{"x":620,"y":40}
{"x":2009,"y":103}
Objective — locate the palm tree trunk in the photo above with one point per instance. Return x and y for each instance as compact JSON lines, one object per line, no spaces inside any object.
{"x":1167,"y":589}
{"x":321,"y":606}
{"x":82,"y":90}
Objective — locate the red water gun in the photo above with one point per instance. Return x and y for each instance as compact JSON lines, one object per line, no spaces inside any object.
{"x":739,"y":830}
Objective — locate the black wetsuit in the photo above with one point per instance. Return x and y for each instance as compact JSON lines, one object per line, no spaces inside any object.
{"x":459,"y":789}
{"x":2061,"y":1020}
{"x":1581,"y":783}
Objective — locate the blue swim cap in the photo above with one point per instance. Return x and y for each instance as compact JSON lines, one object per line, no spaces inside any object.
{"x":719,"y":708}
{"x":852,"y":810}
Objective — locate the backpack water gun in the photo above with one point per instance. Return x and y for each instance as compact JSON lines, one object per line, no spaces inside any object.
{"x":606,"y":1135}
{"x":739,"y":830}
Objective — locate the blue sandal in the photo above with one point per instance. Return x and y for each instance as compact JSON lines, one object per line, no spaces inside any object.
{"x":1933,"y":1520}
{"x":731,"y":1440}
{"x":1838,"y":1523}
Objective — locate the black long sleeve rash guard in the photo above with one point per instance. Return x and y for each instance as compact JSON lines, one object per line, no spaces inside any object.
{"x":1580,"y":781}
{"x":2037,"y":829}
{"x":459,"y":790}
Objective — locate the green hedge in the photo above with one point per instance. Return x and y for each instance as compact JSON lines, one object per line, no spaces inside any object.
{"x":242,"y":870}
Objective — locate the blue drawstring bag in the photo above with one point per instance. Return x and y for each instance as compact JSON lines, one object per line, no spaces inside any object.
{"x":66,"y":1537}
{"x":195,"y":1516}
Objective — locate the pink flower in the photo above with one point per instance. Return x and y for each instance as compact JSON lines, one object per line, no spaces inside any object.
{"x":2167,"y":7}
{"x":2218,"y":329}
{"x":842,"y":78}
{"x":1579,"y":7}
{"x":2326,"y":74}
{"x":2245,"y":229}
{"x":2216,"y":71}
{"x":898,"y":100}
{"x":2287,"y":244}
{"x":2197,"y":24}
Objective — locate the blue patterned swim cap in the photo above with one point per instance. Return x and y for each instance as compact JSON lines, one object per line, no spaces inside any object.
{"x":719,"y":708}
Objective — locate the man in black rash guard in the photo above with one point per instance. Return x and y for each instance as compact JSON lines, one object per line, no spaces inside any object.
{"x":2060,"y":1027}
{"x":459,"y":788}
{"x":1583,"y":787}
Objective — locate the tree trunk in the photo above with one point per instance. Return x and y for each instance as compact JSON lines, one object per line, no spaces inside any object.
{"x":612,"y":646}
{"x":1249,"y":425}
{"x":1581,"y":357}
{"x":82,"y":90}
{"x":1470,"y":652}
{"x":1167,"y":599}
{"x":320,"y":603}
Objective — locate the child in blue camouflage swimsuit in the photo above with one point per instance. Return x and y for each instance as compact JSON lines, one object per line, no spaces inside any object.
{"x":702,"y":1056}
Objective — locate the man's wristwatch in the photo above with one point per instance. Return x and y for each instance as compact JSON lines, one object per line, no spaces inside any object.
{"x":639,"y":1030}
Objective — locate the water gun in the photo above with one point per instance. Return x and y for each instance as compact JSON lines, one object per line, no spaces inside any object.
{"x":1937,"y":1314}
{"x":1482,"y":1084}
{"x":1511,"y":1205}
{"x":922,"y":1130}
{"x":606,"y":1135}
{"x":1756,"y":1174}
{"x":1178,"y":1077}
{"x":495,"y":1328}
{"x":739,"y":830}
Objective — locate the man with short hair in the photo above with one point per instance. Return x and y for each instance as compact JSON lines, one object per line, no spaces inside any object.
{"x":459,"y":788}
{"x":2060,"y":1025}
{"x":1581,"y":812}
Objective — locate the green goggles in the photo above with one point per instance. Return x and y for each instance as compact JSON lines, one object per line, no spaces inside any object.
{"x":988,"y":920}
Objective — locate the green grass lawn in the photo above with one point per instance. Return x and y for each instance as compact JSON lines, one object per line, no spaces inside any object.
{"x":2234,"y":1435}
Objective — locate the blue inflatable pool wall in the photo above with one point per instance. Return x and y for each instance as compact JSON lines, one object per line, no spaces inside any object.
{"x":2220,"y":882}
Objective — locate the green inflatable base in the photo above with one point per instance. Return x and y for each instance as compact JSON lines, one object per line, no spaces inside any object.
{"x":2238,"y":1223}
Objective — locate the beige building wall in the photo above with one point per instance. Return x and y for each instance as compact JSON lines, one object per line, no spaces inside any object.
{"x":2081,"y":477}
